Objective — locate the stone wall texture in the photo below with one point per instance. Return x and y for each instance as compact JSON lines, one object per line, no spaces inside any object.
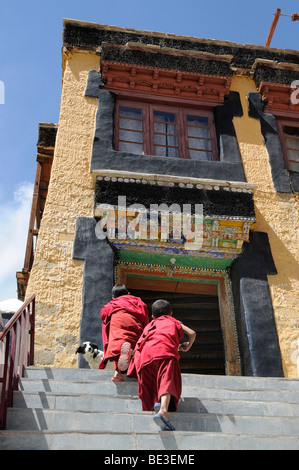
{"x":278,"y":215}
{"x":56,"y":278}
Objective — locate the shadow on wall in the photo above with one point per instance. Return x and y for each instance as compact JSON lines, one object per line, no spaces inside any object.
{"x":285,"y":261}
{"x":284,"y":284}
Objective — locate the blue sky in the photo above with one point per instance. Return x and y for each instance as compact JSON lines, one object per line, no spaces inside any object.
{"x":30,"y":69}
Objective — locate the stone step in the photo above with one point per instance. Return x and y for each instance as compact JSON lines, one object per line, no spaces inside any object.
{"x":129,"y":388}
{"x":206,"y":381}
{"x":82,"y":409}
{"x":56,"y":420}
{"x":142,"y":441}
{"x":80,"y":402}
{"x":44,"y":400}
{"x":68,"y":387}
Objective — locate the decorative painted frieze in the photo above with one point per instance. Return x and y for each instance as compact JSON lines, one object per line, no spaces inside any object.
{"x":171,"y":215}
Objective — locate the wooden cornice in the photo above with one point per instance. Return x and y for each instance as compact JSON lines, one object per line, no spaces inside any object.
{"x":164,"y":82}
{"x":279,"y":97}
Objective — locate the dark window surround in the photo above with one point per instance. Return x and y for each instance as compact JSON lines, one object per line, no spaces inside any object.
{"x":258,"y":340}
{"x":143,"y":136}
{"x":229,"y":167}
{"x":284,"y":180}
{"x":282,"y":123}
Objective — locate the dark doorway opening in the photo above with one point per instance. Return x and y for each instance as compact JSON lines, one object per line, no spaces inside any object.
{"x":201,"y":313}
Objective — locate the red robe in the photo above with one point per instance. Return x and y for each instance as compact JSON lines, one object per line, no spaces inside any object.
{"x":124,"y":319}
{"x":156,"y":361}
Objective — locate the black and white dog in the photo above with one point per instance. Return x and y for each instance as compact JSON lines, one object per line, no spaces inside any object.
{"x":91,"y":353}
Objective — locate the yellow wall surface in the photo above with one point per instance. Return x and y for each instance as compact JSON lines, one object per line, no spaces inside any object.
{"x":56,"y":278}
{"x":278,"y":215}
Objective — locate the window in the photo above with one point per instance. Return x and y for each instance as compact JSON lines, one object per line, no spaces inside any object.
{"x":130,"y":129}
{"x":167,"y":131}
{"x":289,"y":135}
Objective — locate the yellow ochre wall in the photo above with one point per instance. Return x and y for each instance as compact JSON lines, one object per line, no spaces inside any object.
{"x":57,"y":279}
{"x":277,"y":214}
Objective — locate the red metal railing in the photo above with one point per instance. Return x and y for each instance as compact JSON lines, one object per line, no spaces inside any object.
{"x":16,"y":352}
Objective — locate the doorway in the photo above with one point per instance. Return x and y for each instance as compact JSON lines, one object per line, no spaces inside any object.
{"x":201,"y":313}
{"x":203,"y":301}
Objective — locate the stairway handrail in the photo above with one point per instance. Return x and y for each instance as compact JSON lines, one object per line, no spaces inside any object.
{"x":16,"y":352}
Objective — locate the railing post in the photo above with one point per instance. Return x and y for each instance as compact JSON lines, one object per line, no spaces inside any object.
{"x":32,"y":333}
{"x":18,"y":353}
{"x":3,"y":404}
{"x":11,"y":368}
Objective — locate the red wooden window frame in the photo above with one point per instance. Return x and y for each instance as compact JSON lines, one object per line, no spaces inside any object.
{"x":283,"y":136}
{"x":181,"y":110}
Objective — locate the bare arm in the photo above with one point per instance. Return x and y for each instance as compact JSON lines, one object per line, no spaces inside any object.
{"x":191,"y":336}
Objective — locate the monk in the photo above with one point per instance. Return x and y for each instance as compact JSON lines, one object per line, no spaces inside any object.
{"x":124,"y":319}
{"x":156,"y":363}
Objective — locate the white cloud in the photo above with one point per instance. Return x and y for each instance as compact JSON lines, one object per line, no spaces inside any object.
{"x":14,"y":223}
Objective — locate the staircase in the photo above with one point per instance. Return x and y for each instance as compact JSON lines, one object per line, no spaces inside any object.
{"x":69,"y":409}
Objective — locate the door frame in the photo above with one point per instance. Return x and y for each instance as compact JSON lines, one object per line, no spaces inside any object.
{"x":193,"y":280}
